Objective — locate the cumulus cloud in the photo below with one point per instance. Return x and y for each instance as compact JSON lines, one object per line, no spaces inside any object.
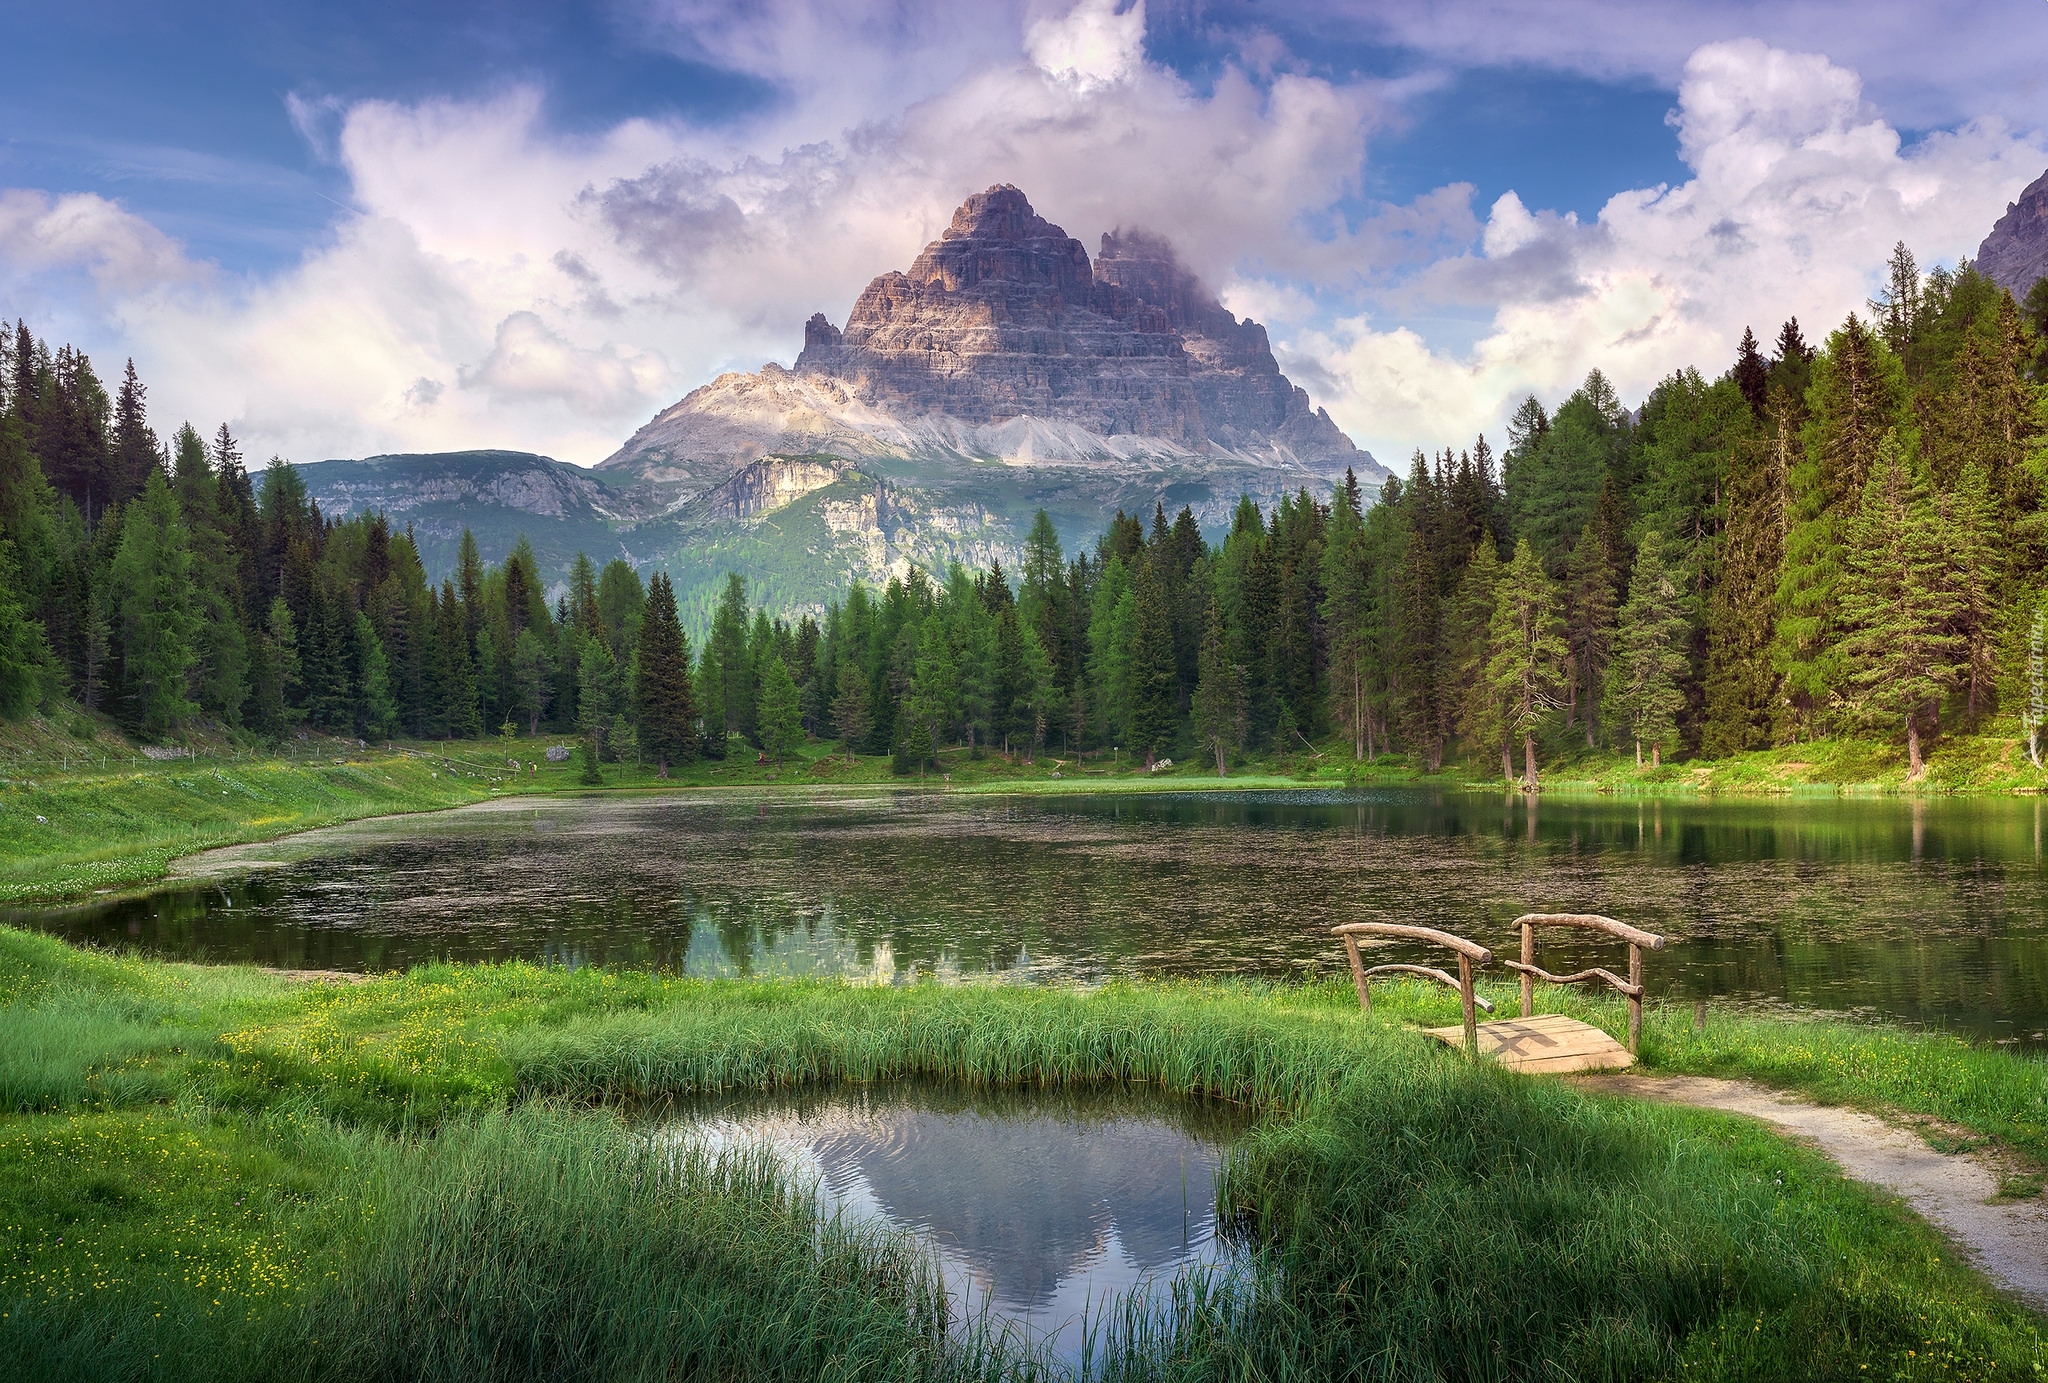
{"x":498,"y":283}
{"x":1799,"y":191}
{"x":530,"y":361}
{"x":122,"y":252}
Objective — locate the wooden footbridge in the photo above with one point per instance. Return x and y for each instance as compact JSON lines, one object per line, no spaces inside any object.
{"x":1552,"y":1043}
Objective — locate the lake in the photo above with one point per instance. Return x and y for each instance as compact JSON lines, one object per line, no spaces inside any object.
{"x":1929,"y":912}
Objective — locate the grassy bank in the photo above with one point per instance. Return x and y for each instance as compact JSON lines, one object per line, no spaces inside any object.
{"x":81,"y":809}
{"x":207,"y":1171}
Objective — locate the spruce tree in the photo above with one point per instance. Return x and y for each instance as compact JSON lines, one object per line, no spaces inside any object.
{"x":781,"y":718}
{"x":25,"y":663}
{"x":1854,"y":402}
{"x":600,"y":694}
{"x":664,"y":710}
{"x":1153,"y":717}
{"x":1644,"y":682}
{"x":1218,"y":708}
{"x":1346,"y":608}
{"x":152,"y":580}
{"x":378,"y":711}
{"x":1752,"y":374}
{"x":850,"y":714}
{"x":1527,"y":653}
{"x":1589,"y":620}
{"x":1480,"y":717}
{"x":1899,"y":612}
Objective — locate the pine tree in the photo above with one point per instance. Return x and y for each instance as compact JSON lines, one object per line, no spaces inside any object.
{"x":1480,"y":715}
{"x":1218,"y":706}
{"x":1644,"y":691}
{"x":1589,"y":620}
{"x":1741,"y":687}
{"x":1527,"y":653}
{"x":1346,"y":609}
{"x":1972,"y":572}
{"x":1153,"y":715}
{"x":850,"y":714}
{"x":1897,"y":309}
{"x":378,"y":713}
{"x":600,"y":694}
{"x":26,"y":667}
{"x":1752,"y":374}
{"x":664,"y":710}
{"x":782,"y":726}
{"x":152,"y":580}
{"x":1855,"y":400}
{"x":1901,"y":651}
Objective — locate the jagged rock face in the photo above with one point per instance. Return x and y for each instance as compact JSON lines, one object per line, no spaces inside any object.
{"x":1003,"y":316}
{"x":1247,"y":405}
{"x":766,"y":486}
{"x":2015,"y":254}
{"x":998,"y":318}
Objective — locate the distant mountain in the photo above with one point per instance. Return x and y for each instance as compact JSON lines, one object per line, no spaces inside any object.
{"x":1003,"y":373}
{"x":2015,"y":254}
{"x":497,"y":494}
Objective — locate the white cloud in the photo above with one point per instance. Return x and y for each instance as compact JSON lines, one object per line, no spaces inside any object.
{"x":1799,"y":192}
{"x":529,"y":362}
{"x":500,"y":284}
{"x":122,"y":252}
{"x":1091,"y":45}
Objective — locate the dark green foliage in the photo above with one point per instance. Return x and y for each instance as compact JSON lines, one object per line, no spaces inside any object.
{"x":1372,"y":617}
{"x":664,"y":709}
{"x":782,"y":727}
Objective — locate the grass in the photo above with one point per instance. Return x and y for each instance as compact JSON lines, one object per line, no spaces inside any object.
{"x":432,"y":1175}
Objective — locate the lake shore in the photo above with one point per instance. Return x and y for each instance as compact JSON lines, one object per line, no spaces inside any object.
{"x":72,"y":827}
{"x":193,"y":1153}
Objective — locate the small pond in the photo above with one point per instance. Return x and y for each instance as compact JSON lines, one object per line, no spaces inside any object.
{"x":1042,"y":1206}
{"x":1923,"y":911}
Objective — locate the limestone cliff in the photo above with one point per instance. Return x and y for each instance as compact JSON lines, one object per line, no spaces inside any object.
{"x":2015,"y":254}
{"x":1004,"y":316}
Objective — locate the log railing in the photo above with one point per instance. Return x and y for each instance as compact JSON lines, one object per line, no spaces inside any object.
{"x":1470,"y":954}
{"x":1638,"y":942}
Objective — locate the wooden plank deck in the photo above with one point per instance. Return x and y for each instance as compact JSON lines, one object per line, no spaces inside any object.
{"x":1549,"y":1044}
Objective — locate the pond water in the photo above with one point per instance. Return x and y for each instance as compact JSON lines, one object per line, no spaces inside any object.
{"x":1042,"y":1206}
{"x":1929,"y":912}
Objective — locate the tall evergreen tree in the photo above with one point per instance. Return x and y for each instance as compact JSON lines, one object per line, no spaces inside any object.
{"x":1901,"y":650}
{"x":781,"y":719}
{"x":1218,"y":708}
{"x":152,"y":582}
{"x":1643,"y":689}
{"x":1153,"y":715}
{"x":1527,"y":653}
{"x":664,"y":710}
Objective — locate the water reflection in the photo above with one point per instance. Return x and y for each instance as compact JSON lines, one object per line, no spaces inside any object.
{"x":1928,"y":911}
{"x":1041,"y":1205}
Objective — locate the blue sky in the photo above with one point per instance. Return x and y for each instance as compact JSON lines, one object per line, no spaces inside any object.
{"x":574,"y":213}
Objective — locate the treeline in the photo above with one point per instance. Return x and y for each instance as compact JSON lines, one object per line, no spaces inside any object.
{"x":1848,"y":539}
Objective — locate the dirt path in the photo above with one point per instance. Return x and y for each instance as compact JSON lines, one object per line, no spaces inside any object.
{"x":2008,"y":1239}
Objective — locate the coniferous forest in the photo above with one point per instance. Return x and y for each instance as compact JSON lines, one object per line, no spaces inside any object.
{"x":1839,"y":537}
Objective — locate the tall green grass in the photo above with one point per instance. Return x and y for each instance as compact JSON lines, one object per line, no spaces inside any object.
{"x":419,"y":1174}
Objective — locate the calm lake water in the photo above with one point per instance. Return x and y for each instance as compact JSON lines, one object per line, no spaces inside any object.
{"x":1042,"y":1206}
{"x":1929,"y":912}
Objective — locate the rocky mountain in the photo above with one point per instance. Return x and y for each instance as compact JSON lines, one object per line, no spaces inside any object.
{"x":1005,"y":345}
{"x":2015,"y":254}
{"x":497,"y":494}
{"x":1003,"y":373}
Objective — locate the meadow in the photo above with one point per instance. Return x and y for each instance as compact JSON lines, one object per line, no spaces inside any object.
{"x":219,"y":1173}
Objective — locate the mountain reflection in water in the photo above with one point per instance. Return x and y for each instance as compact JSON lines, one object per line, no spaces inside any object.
{"x":1039,"y":1204}
{"x":1930,"y":911}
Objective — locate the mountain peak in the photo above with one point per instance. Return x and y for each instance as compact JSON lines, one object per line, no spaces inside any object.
{"x":2015,"y":254}
{"x":1004,"y":316}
